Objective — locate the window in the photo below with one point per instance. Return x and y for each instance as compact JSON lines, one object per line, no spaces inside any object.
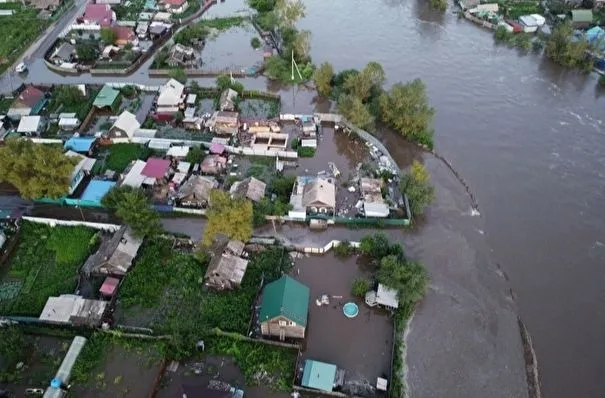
{"x":291,"y":323}
{"x":283,"y":323}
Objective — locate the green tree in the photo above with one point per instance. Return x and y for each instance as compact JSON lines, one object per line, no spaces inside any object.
{"x":362,"y":84}
{"x":405,"y":108}
{"x":108,"y":36}
{"x":230,"y":217}
{"x":178,"y":74}
{"x":275,"y":68}
{"x":417,"y":186}
{"x":289,"y":12}
{"x":195,"y":155}
{"x":191,"y":34}
{"x":440,"y":5}
{"x":501,"y":35}
{"x":224,"y":82}
{"x":37,"y":171}
{"x":353,"y":109}
{"x":262,"y":5}
{"x":562,"y":50}
{"x":360,"y":287}
{"x":86,"y":52}
{"x":322,"y":77}
{"x":255,"y":42}
{"x":375,"y":246}
{"x":133,"y":207}
{"x":410,"y":279}
{"x":302,"y":45}
{"x":68,"y":96}
{"x":267,"y":20}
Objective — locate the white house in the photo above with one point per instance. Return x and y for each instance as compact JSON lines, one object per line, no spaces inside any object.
{"x":170,"y":97}
{"x":124,"y":128}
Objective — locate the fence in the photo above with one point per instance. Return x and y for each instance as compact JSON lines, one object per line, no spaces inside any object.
{"x":322,"y":250}
{"x":46,"y":140}
{"x":142,"y":87}
{"x":53,"y":222}
{"x":199,"y":72}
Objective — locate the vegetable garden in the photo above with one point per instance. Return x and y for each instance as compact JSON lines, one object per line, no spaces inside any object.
{"x":17,"y":32}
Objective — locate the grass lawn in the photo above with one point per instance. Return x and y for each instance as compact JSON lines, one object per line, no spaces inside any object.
{"x":18,"y":31}
{"x":168,"y":285}
{"x":45,"y":264}
{"x":120,"y":156}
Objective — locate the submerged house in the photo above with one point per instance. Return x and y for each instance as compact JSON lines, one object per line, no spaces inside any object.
{"x":383,"y":296}
{"x":319,"y":196}
{"x":226,"y":268}
{"x":284,"y":309}
{"x":115,"y":255}
{"x":227,"y":100}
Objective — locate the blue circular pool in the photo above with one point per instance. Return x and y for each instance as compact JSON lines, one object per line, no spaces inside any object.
{"x":350,"y":310}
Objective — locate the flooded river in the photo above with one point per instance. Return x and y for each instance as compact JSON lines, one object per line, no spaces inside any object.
{"x":529,"y":139}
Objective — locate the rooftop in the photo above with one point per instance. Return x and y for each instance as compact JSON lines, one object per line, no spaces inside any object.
{"x":319,"y":192}
{"x":115,"y":255}
{"x":319,"y":375}
{"x":134,"y":178}
{"x":72,"y":309}
{"x":170,"y":93}
{"x":197,"y":186}
{"x":285,"y":297}
{"x":30,"y":96}
{"x":250,"y":188}
{"x":96,"y":190}
{"x":387,"y":296}
{"x":128,"y":123}
{"x":156,"y":168}
{"x":29,"y":124}
{"x":79,"y":144}
{"x":99,"y":13}
{"x":106,"y":97}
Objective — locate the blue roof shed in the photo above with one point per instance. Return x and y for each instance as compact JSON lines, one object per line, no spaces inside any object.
{"x":80,"y":144}
{"x":319,"y":375}
{"x":94,"y":192}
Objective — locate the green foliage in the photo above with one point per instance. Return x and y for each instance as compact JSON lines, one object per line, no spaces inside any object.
{"x":266,"y":20}
{"x":133,"y":207}
{"x":377,"y":246}
{"x":405,"y":108}
{"x":295,"y":144}
{"x":360,"y":287}
{"x":108,"y":36}
{"x":178,"y":74}
{"x":277,"y":68}
{"x":262,"y":5}
{"x":344,"y":249}
{"x":222,"y":23}
{"x":17,"y":32}
{"x":69,"y":98}
{"x":13,"y":349}
{"x":86,"y":52}
{"x":230,"y":217}
{"x":191,"y":34}
{"x":129,"y":91}
{"x":223,"y":82}
{"x":289,"y":12}
{"x":281,"y":186}
{"x":562,"y":50}
{"x":408,"y":278}
{"x":120,"y":155}
{"x":323,"y":79}
{"x":353,"y":109}
{"x":37,"y":171}
{"x":440,"y":5}
{"x":45,"y":264}
{"x":362,"y":84}
{"x":501,"y":35}
{"x":417,"y":186}
{"x":267,"y":207}
{"x":306,"y":152}
{"x":255,"y":42}
{"x":523,"y":41}
{"x":255,"y":358}
{"x":602,"y":80}
{"x":195,"y":155}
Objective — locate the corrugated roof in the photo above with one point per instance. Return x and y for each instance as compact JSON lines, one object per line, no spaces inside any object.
{"x":134,"y":178}
{"x":285,"y":297}
{"x":79,"y":144}
{"x":156,"y":168}
{"x":106,"y":97}
{"x":319,"y":375}
{"x":96,"y":190}
{"x":29,"y":124}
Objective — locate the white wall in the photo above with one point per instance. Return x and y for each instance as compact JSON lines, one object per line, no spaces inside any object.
{"x":54,"y":222}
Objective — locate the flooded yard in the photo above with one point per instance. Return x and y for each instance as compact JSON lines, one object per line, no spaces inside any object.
{"x":254,"y":108}
{"x":365,"y":354}
{"x":231,"y":50}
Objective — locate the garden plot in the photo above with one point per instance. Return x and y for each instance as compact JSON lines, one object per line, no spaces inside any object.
{"x":46,"y":263}
{"x":17,"y":32}
{"x":256,"y":108}
{"x":116,"y":367}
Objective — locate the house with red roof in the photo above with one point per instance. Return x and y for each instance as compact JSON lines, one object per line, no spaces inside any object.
{"x":124,"y":35}
{"x":174,"y":6}
{"x":30,"y":101}
{"x":99,"y":14}
{"x":155,"y":170}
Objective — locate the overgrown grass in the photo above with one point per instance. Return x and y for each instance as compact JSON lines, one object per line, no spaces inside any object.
{"x":80,"y":108}
{"x":45,"y":264}
{"x":17,"y":32}
{"x":171,"y":284}
{"x":120,"y":155}
{"x":222,"y":23}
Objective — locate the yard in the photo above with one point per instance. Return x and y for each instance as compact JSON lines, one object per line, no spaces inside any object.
{"x":120,"y":156}
{"x":17,"y":32}
{"x":110,"y":366}
{"x":46,"y":263}
{"x":258,"y":108}
{"x":69,"y":99}
{"x":365,"y":354}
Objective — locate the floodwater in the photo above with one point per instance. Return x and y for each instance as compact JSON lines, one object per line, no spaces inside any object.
{"x":231,"y":50}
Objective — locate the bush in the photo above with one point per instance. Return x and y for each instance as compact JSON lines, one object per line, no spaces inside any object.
{"x":344,"y":249}
{"x":255,"y":42}
{"x":128,"y":91}
{"x":502,"y":35}
{"x":295,"y":144}
{"x":306,"y":152}
{"x":360,"y":287}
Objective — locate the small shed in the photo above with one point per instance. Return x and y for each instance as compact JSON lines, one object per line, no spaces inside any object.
{"x":216,"y":148}
{"x":109,"y":286}
{"x":383,"y":296}
{"x":156,"y":168}
{"x":179,"y":152}
{"x":134,"y":178}
{"x":213,"y":164}
{"x":581,"y":18}
{"x":319,"y":375}
{"x":29,"y":124}
{"x":107,"y":98}
{"x":80,"y":144}
{"x":95,"y":192}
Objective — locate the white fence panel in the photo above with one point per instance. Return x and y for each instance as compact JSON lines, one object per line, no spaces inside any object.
{"x":53,"y":222}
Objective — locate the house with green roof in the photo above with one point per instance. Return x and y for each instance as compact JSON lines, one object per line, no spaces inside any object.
{"x":107,"y":99}
{"x":284,"y":309}
{"x":319,"y":375}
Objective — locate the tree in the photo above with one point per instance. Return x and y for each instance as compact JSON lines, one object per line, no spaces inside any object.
{"x":501,"y":35}
{"x":417,"y":186}
{"x":353,"y":109}
{"x":408,"y":278}
{"x":223,"y":82}
{"x":230,"y":217}
{"x":262,"y":5}
{"x":108,"y":36}
{"x":195,"y":155}
{"x":86,"y":52}
{"x":276,"y":68}
{"x":68,"y":96}
{"x":322,"y":77}
{"x":562,"y":50}
{"x":440,"y":5}
{"x":301,"y":45}
{"x":255,"y":42}
{"x":178,"y":74}
{"x":191,"y":34}
{"x":289,"y":12}
{"x":375,"y":246}
{"x":133,"y":207}
{"x":405,"y":108}
{"x":360,"y":287}
{"x":267,"y":20}
{"x":37,"y":171}
{"x":361,"y":84}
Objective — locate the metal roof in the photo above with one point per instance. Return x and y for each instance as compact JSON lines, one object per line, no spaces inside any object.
{"x":106,"y":97}
{"x":319,"y":375}
{"x":285,"y":297}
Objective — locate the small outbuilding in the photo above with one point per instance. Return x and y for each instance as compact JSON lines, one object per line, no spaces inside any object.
{"x":107,"y":99}
{"x":30,"y":125}
{"x":213,"y":164}
{"x":69,"y":309}
{"x":115,"y":255}
{"x":226,"y":268}
{"x":80,"y":144}
{"x":581,"y":19}
{"x":320,"y":376}
{"x":383,"y":296}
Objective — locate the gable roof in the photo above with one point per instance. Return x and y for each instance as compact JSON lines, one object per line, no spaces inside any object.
{"x":30,"y":96}
{"x":134,"y":178}
{"x":99,"y":13}
{"x":285,"y":297}
{"x":156,"y":168}
{"x":319,"y":191}
{"x":124,"y":33}
{"x":197,"y":186}
{"x":106,"y":97}
{"x":250,"y":188}
{"x":319,"y":375}
{"x":170,"y":93}
{"x":128,"y":123}
{"x":29,"y":124}
{"x":115,"y":255}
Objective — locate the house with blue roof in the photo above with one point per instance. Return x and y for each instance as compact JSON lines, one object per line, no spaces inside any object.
{"x":93,"y":194}
{"x":84,"y":145}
